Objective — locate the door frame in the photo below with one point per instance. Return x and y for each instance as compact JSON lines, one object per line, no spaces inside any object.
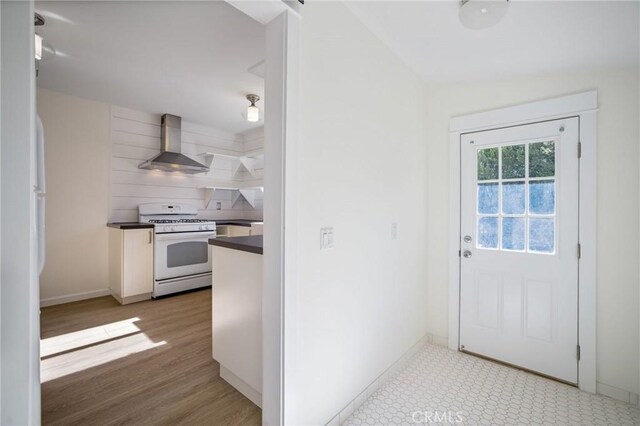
{"x":585,"y":106}
{"x":20,"y":301}
{"x":19,"y":304}
{"x":281,"y":19}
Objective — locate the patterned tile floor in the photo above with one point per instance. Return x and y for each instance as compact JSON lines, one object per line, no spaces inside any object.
{"x":447,"y":387}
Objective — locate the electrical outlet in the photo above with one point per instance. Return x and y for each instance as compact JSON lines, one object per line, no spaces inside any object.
{"x":326,"y":238}
{"x":218,"y":205}
{"x":394,"y":230}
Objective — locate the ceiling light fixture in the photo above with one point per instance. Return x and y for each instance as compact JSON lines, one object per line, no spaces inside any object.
{"x":38,"y":21}
{"x":481,"y":14}
{"x":253,"y":112}
{"x":38,"y":47}
{"x":42,"y":49}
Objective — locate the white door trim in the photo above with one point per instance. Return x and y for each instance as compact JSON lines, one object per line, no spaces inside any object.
{"x":585,"y":106}
{"x":281,"y":19}
{"x":20,"y":304}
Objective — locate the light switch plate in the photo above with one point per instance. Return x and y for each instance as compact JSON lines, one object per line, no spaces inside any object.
{"x":218,"y":205}
{"x":326,"y":238}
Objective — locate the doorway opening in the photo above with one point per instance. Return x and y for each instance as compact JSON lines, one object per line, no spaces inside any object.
{"x":114,"y":73}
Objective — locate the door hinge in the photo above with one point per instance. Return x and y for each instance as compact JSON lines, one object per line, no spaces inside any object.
{"x":579,"y":250}
{"x":578,"y":352}
{"x":579,"y":149}
{"x":459,"y":253}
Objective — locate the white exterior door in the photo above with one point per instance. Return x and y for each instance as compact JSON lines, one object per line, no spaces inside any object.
{"x":519,"y":246}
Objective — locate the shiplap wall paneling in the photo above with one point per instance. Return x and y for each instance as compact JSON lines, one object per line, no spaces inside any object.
{"x":135,"y":137}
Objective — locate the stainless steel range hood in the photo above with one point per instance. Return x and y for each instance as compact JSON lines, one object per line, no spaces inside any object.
{"x":170,"y":159}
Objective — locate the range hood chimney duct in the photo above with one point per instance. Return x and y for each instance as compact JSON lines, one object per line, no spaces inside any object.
{"x":170,"y":158}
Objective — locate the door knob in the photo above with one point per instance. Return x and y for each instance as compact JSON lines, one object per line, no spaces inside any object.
{"x":467,"y":238}
{"x":466,"y":254}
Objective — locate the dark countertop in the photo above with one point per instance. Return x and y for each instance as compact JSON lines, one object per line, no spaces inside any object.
{"x":251,"y":244}
{"x":130,"y":225}
{"x":237,"y":222}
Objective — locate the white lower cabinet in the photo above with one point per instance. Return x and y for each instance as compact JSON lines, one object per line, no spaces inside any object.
{"x":131,"y":264}
{"x":222,"y":230}
{"x":239,"y":231}
{"x":256,"y":228}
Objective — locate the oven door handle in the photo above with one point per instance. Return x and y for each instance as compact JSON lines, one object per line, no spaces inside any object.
{"x":187,"y":236}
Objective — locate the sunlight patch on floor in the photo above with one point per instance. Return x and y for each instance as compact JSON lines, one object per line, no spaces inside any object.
{"x":88,"y":336}
{"x":73,"y":352}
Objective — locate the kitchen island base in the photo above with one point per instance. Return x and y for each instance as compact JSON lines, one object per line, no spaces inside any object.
{"x":237,"y":313}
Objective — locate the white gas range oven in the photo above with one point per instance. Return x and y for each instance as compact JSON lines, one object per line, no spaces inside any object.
{"x":181,"y":251}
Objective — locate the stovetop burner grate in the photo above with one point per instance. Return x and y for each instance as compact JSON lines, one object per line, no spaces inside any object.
{"x":180,"y":221}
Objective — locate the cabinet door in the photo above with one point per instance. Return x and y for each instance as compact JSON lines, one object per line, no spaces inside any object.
{"x":138,"y":262}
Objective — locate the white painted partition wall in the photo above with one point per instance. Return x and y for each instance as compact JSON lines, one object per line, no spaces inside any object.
{"x":280,"y":234}
{"x":360,"y":165}
{"x":281,"y":19}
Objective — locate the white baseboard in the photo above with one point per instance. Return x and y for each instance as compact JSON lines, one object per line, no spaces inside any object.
{"x":58,"y":300}
{"x":342,"y":416}
{"x":242,"y":386}
{"x":438,"y":340}
{"x":617,"y":393}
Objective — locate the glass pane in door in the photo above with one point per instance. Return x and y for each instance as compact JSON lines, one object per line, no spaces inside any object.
{"x":542,"y":235}
{"x":488,"y":164}
{"x":488,"y":199}
{"x":542,"y":197}
{"x":513,"y":233}
{"x":513,"y":162}
{"x":513,"y":198}
{"x":488,"y":232}
{"x":542,"y":159}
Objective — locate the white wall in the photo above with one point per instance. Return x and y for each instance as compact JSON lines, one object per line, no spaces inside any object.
{"x":77,"y":153}
{"x":92,"y":152}
{"x":361,"y":166}
{"x":618,"y":277}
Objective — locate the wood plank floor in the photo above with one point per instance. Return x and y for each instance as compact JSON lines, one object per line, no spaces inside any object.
{"x":144,"y":363}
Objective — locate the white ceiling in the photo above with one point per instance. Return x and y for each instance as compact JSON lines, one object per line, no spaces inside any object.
{"x":534,"y":37}
{"x":184,"y":58}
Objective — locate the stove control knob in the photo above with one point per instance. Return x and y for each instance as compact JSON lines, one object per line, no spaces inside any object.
{"x":173,"y":229}
{"x":202,"y":228}
{"x":166,"y":229}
